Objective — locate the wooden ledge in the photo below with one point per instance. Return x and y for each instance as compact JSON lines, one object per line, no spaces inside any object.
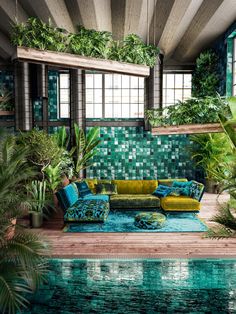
{"x":187,"y":129}
{"x":6,"y":113}
{"x":74,"y":61}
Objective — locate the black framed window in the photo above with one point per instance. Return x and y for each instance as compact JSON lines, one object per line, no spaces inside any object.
{"x":114,"y":96}
{"x":176,"y":86}
{"x":234,"y":67}
{"x":64,"y":95}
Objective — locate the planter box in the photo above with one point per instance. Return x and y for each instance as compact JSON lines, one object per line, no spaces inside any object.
{"x":188,"y":129}
{"x":6,"y":113}
{"x":74,"y":61}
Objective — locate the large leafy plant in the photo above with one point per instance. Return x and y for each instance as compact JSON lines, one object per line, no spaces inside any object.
{"x":190,"y":111}
{"x":86,"y":42}
{"x":6,"y":101}
{"x":205,"y":79}
{"x":22,"y":262}
{"x":225,"y":218}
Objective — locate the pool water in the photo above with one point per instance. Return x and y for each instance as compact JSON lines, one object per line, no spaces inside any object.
{"x":137,"y":286}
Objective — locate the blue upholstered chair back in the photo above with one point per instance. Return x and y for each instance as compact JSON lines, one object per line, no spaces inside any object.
{"x":196,"y":190}
{"x":68,"y":196}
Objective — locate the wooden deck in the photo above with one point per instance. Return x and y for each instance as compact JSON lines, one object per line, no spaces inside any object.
{"x":138,"y":245}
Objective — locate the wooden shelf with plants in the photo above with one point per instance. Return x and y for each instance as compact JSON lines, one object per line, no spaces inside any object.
{"x":7,"y":113}
{"x":187,"y":129}
{"x":40,"y":42}
{"x":75,"y":61}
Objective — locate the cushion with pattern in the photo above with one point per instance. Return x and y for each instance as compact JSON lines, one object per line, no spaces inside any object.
{"x":106,"y":188}
{"x":83,"y":188}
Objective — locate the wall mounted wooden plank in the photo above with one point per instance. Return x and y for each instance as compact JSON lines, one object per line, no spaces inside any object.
{"x":74,"y":61}
{"x":6,"y":113}
{"x":188,"y":129}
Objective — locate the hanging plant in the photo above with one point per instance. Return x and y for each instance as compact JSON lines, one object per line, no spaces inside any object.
{"x":86,"y":42}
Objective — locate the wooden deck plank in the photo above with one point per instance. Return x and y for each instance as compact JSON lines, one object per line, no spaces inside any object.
{"x":140,"y":245}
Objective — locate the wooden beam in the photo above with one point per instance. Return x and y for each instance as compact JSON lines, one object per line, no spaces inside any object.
{"x":188,"y":129}
{"x":6,"y":48}
{"x":74,"y":61}
{"x":45,"y":9}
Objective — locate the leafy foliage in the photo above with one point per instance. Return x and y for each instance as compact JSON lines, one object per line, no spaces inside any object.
{"x":205,"y":79}
{"x":6,"y":101}
{"x":86,"y":42}
{"x":53,"y":176}
{"x":22,"y":265}
{"x":190,"y":111}
{"x":37,"y":193}
{"x":212,"y":153}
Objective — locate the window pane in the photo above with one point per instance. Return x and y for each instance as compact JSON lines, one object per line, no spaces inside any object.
{"x":170,"y":96}
{"x":117,"y":110}
{"x":141,"y":82}
{"x":117,"y":95}
{"x":64,"y":80}
{"x":64,"y":95}
{"x":98,"y":81}
{"x":187,"y":93}
{"x":187,"y":80}
{"x":164,"y":80}
{"x":134,"y":82}
{"x":178,"y":95}
{"x":179,"y":81}
{"x":141,"y":96}
{"x":134,"y":111}
{"x":98,"y":96}
{"x":89,"y":81}
{"x":108,"y":110}
{"x":170,"y":79}
{"x":89,"y":96}
{"x":117,"y":81}
{"x":125,"y":81}
{"x":125,"y":110}
{"x":134,"y":96}
{"x":97,"y":110}
{"x":108,"y":80}
{"x":141,"y":110}
{"x":89,"y":110}
{"x":64,"y":111}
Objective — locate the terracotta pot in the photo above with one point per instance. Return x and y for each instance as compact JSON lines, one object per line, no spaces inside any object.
{"x":211,"y":186}
{"x":10,"y":232}
{"x":65,"y":181}
{"x":55,"y":201}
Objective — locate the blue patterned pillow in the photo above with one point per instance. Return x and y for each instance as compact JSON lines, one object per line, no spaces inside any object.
{"x":183,"y":186}
{"x":83,"y":188}
{"x":68,"y":196}
{"x":162,"y":191}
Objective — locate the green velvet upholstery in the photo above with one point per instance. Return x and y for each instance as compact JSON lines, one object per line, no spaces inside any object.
{"x":150,"y":221}
{"x":134,"y":201}
{"x":106,"y":188}
{"x":87,"y":210}
{"x":179,"y":203}
{"x":135,"y":186}
{"x":169,"y":182}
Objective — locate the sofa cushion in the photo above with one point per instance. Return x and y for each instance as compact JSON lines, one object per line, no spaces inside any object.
{"x":180,"y":203}
{"x":196,"y":190}
{"x":68,"y":196}
{"x":83,"y":188}
{"x":184,"y":187}
{"x":130,"y":201}
{"x":149,"y":186}
{"x":162,"y":191}
{"x":169,"y":182}
{"x":129,"y":186}
{"x":87,"y":210}
{"x":101,"y":197}
{"x":106,"y":188}
{"x":91,"y":184}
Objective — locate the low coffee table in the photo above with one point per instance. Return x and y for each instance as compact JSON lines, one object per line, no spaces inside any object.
{"x":149,"y":220}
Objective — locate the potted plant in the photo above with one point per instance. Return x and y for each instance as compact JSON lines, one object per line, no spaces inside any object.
{"x":37,"y":193}
{"x":53,"y":180}
{"x":210,"y":152}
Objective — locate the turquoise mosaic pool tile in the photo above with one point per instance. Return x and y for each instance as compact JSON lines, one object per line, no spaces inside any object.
{"x":38,"y":109}
{"x":52,"y":95}
{"x":132,"y":153}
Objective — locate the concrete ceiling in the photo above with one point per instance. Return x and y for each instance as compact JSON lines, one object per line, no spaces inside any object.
{"x":181,"y":28}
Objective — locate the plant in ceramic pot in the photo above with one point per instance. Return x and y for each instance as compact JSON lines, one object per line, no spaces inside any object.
{"x":53,"y":180}
{"x":37,"y":193}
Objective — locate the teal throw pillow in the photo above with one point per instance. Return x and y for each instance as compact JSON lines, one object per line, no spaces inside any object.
{"x":183,"y":186}
{"x":106,"y":188}
{"x":162,"y":191}
{"x":83,"y":188}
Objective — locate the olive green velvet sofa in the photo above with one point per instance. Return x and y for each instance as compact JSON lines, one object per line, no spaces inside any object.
{"x":135,"y":194}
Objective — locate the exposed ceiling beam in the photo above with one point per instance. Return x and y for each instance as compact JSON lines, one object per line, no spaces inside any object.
{"x":9,"y":13}
{"x":92,"y":14}
{"x":45,"y":9}
{"x":198,"y":23}
{"x":6,"y":48}
{"x":133,"y":16}
{"x":118,"y":18}
{"x":180,"y":17}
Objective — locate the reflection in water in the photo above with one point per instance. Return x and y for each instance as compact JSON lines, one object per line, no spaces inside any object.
{"x":137,"y":286}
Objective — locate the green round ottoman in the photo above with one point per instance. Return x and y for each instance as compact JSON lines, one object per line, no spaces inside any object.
{"x":150,"y":221}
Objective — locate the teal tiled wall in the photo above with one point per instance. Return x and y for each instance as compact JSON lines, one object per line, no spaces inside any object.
{"x":132,"y":153}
